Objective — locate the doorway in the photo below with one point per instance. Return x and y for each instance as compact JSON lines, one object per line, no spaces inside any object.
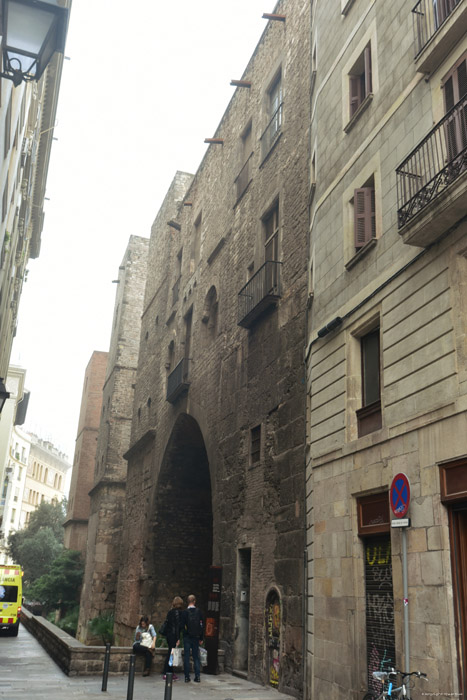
{"x":273,"y":637}
{"x":179,"y":544}
{"x":242,"y":631}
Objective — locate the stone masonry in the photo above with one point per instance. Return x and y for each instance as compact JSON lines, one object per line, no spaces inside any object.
{"x":216,"y":473}
{"x":406,"y":285}
{"x":107,"y":487}
{"x":85,"y":453}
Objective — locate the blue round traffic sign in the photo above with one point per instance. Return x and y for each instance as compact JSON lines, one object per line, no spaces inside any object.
{"x":399,"y":495}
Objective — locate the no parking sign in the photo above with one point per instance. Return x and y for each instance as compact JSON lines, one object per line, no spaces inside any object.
{"x":399,"y":495}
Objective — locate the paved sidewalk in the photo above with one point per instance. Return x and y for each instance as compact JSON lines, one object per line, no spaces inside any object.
{"x":27,"y":671}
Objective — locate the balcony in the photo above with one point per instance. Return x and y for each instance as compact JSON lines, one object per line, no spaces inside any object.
{"x":177,"y":381}
{"x":438,"y":26}
{"x":259,"y":293}
{"x":431,"y":182}
{"x":243,"y":178}
{"x":272,"y":132}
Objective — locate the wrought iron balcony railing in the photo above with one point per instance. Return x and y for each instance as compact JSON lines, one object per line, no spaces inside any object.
{"x":271,"y":132}
{"x":428,"y":16}
{"x":243,"y":178}
{"x":177,"y":381}
{"x":434,"y":164}
{"x":262,"y":291}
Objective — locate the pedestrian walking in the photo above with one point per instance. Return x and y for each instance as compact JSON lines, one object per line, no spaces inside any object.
{"x":171,"y":631}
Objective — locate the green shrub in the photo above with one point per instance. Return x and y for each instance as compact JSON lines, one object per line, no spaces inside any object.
{"x":103,"y":626}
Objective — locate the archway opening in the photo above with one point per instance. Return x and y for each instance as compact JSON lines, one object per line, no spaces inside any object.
{"x":182,"y":530}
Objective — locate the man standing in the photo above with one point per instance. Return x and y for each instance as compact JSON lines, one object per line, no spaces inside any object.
{"x":192,"y":626}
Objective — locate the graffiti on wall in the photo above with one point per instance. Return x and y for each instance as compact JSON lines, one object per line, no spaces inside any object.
{"x":379,"y":608}
{"x":273,"y":628}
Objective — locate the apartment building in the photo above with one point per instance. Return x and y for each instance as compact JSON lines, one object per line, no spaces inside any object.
{"x":46,"y":478}
{"x":386,"y":344}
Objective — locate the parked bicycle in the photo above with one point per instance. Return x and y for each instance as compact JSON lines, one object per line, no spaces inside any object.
{"x":388,"y":680}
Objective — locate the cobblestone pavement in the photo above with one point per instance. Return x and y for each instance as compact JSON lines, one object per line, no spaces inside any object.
{"x":27,"y":672}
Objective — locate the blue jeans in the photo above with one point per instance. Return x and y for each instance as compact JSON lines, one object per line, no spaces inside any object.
{"x":193,"y":644}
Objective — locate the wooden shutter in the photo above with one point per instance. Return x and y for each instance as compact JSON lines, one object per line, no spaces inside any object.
{"x":368,"y":77}
{"x":364,"y":215}
{"x":356,"y":96}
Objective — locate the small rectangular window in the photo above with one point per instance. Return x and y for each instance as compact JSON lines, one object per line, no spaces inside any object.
{"x":255,"y":444}
{"x":369,"y":417}
{"x":360,"y":80}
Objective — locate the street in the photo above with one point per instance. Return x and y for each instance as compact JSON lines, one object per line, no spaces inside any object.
{"x":26,"y":671}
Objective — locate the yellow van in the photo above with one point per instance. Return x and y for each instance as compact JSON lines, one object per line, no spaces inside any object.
{"x":11,"y":595}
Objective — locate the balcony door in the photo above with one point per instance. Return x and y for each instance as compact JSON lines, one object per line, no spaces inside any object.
{"x":271,"y":247}
{"x":455,"y":93}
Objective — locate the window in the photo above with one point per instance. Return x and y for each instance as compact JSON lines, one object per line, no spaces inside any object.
{"x":5,"y":199}
{"x":275,"y":105}
{"x":369,"y":416}
{"x":364,"y":214}
{"x":196,"y":243}
{"x":244,"y":176}
{"x":455,"y":89}
{"x":360,"y":81}
{"x":7,"y":130}
{"x":13,"y":515}
{"x":255,"y":444}
{"x":274,"y":112}
{"x":271,"y":234}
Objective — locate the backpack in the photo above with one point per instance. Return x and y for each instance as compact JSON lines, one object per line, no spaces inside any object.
{"x":193,"y":622}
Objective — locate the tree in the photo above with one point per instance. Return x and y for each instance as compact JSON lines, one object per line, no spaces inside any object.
{"x":35,"y":547}
{"x":59,"y":588}
{"x":36,"y":554}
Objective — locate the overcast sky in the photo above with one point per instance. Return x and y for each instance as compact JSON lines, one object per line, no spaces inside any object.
{"x":146,"y":82}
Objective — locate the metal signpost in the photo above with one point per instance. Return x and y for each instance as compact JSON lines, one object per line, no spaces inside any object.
{"x":399,"y":497}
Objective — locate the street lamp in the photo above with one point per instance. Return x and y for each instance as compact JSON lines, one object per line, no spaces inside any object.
{"x":32,"y":31}
{"x":4,"y":394}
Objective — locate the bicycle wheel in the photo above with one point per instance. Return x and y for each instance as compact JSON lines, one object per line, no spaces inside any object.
{"x":369,"y":696}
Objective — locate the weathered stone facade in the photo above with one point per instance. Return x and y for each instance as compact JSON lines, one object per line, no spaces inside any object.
{"x":216,"y":473}
{"x":404,"y":291}
{"x":82,"y":478}
{"x":107,"y":488}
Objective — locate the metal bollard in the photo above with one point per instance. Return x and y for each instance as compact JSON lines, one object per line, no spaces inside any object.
{"x":131,"y":678}
{"x":168,"y":686}
{"x":106,"y":666}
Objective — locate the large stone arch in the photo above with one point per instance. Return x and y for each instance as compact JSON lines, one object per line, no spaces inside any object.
{"x":180,"y":538}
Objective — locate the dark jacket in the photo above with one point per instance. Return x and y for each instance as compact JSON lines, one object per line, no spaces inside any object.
{"x":185,"y":624}
{"x":174,"y":626}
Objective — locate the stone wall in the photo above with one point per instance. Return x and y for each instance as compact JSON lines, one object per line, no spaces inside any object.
{"x":78,"y":659}
{"x":107,"y":491}
{"x":198,"y":491}
{"x":415,"y":297}
{"x":85,"y":453}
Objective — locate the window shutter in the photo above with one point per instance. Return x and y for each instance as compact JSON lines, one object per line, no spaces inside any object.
{"x":355,"y":88}
{"x":364,"y":215}
{"x":368,"y":77}
{"x":462,"y":79}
